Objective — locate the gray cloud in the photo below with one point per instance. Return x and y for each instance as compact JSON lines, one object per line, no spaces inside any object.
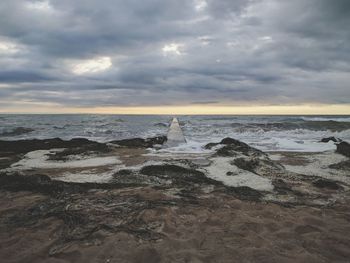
{"x":174,"y":52}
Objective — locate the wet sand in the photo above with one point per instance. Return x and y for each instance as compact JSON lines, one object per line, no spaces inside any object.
{"x":159,"y":209}
{"x":216,"y":228}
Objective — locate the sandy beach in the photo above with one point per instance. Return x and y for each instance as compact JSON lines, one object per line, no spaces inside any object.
{"x":126,"y":201}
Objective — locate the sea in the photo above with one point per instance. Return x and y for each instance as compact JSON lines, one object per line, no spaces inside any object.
{"x":267,"y":133}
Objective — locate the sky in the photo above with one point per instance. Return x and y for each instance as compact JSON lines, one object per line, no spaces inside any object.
{"x":175,"y":56}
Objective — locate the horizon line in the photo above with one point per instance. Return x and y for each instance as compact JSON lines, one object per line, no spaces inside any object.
{"x":301,"y":109}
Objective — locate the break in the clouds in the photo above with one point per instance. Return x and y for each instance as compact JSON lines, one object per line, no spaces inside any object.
{"x":174,"y":52}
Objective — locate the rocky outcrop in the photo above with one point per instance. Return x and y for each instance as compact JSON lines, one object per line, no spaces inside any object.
{"x":333,"y":139}
{"x":281,"y":186}
{"x":25,"y":146}
{"x":245,"y":193}
{"x":343,"y":148}
{"x":232,"y":147}
{"x":90,"y":148}
{"x":327,"y":184}
{"x":177,"y":174}
{"x":140,"y":142}
{"x":344,"y":165}
{"x":246,"y":157}
{"x":44,"y":184}
{"x":260,"y":166}
{"x":76,"y":146}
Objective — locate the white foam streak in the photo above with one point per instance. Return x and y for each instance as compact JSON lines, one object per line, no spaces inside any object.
{"x":39,"y":159}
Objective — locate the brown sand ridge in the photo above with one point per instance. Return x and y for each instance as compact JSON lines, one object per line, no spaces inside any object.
{"x":153,"y":208}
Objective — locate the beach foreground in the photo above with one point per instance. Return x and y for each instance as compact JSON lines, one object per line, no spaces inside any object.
{"x":131,"y":201}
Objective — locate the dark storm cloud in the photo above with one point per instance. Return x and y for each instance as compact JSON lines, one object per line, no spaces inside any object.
{"x":156,"y":52}
{"x":23,"y":76}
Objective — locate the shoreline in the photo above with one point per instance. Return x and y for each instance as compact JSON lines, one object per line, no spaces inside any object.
{"x":235,"y":203}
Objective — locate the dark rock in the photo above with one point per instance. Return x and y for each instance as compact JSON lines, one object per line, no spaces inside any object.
{"x":242,"y":147}
{"x":178,"y":174}
{"x":16,"y":131}
{"x":232,"y":147}
{"x":25,"y":183}
{"x":25,"y":146}
{"x":244,"y":193}
{"x":229,"y":173}
{"x":261,"y":166}
{"x":329,"y":139}
{"x":247,"y":164}
{"x":323,"y":183}
{"x":281,"y":186}
{"x":8,"y":160}
{"x":343,"y":148}
{"x":90,"y":148}
{"x":211,"y":145}
{"x":124,"y":172}
{"x":229,"y":140}
{"x":128,"y":177}
{"x":344,"y":165}
{"x":45,"y":185}
{"x":227,"y":151}
{"x":140,"y":142}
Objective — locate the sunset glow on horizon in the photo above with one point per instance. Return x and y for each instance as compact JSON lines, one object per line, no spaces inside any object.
{"x":188,"y":110}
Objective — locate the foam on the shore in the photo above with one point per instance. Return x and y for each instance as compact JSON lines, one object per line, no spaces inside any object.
{"x":39,"y":159}
{"x":220,"y":166}
{"x":89,"y":176}
{"x":318,"y":165}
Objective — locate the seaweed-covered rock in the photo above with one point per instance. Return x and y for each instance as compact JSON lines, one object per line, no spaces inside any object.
{"x":261,"y":166}
{"x":178,"y":174}
{"x":281,"y":186}
{"x":25,"y":146}
{"x":332,"y":138}
{"x":225,"y":141}
{"x":323,"y":183}
{"x":211,"y":145}
{"x":247,"y":164}
{"x":344,"y":165}
{"x":8,"y":159}
{"x":343,"y":148}
{"x":229,"y":140}
{"x":85,"y":149}
{"x":227,"y":151}
{"x":231,"y":147}
{"x":244,"y":193}
{"x":140,"y":142}
{"x":45,"y":185}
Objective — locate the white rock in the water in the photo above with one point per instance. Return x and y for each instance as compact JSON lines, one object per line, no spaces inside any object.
{"x":175,"y":135}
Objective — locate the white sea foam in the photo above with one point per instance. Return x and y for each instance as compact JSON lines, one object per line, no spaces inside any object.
{"x":284,"y":144}
{"x":220,"y":166}
{"x":198,"y":130}
{"x":86,"y":177}
{"x":318,"y":165}
{"x":340,"y":119}
{"x":39,"y":159}
{"x":189,"y":147}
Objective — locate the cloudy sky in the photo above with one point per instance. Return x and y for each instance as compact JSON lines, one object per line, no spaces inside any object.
{"x":200,"y":55}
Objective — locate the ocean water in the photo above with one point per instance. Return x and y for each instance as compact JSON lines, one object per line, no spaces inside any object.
{"x":268,"y":133}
